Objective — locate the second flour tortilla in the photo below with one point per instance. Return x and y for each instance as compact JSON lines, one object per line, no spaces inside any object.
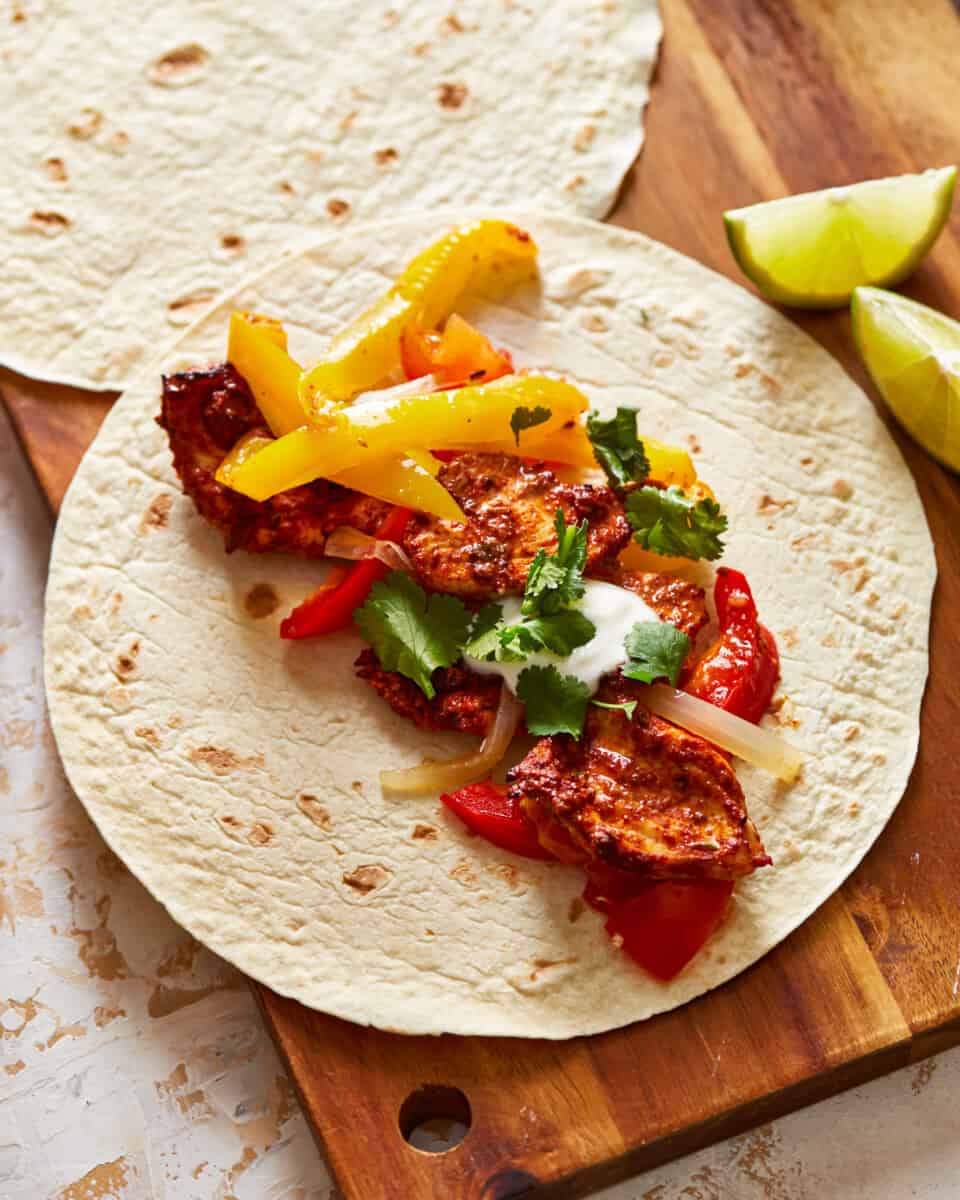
{"x":158,"y":154}
{"x":237,"y":775}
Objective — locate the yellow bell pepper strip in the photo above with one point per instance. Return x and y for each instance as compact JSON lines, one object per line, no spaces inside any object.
{"x":634,"y":558}
{"x":571,"y":446}
{"x":257,"y":347}
{"x":669,"y":464}
{"x":411,"y":484}
{"x":403,"y":483}
{"x":368,"y":349}
{"x":425,"y":460}
{"x":249,"y":445}
{"x":454,"y":420}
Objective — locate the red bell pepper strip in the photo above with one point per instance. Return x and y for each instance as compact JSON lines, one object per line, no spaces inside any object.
{"x":661,"y":926}
{"x":740,"y":670}
{"x":331,"y":608}
{"x":489,"y":811}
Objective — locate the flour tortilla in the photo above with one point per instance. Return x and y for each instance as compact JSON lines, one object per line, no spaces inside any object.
{"x":161,"y":153}
{"x":237,"y":775}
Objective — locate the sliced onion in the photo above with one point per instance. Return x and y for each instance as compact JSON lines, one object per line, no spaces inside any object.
{"x":410,"y":387}
{"x":455,"y":772}
{"x":346,"y":542}
{"x":759,"y":746}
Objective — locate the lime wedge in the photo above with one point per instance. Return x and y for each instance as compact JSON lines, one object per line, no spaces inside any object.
{"x":812,"y":250}
{"x":913,"y":355}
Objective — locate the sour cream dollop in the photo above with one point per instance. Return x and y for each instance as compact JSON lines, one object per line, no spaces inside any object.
{"x":613,"y":610}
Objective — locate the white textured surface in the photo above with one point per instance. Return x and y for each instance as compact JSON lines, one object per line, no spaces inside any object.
{"x":158,"y":153}
{"x":133,"y":1064}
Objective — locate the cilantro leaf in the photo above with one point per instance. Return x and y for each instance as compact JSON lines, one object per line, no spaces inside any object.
{"x":554,"y":703}
{"x":528,"y":418}
{"x":628,"y":706}
{"x":555,"y":581}
{"x":669,"y":522}
{"x":484,"y":633}
{"x":560,"y":633}
{"x":655,"y":650}
{"x":411,"y":633}
{"x":617,"y":448}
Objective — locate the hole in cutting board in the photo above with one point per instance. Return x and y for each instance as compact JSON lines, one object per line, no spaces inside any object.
{"x":435,"y":1118}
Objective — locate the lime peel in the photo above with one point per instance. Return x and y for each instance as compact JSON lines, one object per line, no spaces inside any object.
{"x":813,"y":249}
{"x":912,"y":353}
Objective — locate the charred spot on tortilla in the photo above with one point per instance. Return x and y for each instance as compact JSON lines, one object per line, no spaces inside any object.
{"x":260,"y":834}
{"x":56,"y":170}
{"x":179,"y":67}
{"x":424,"y":833}
{"x":337,"y":208}
{"x":48,"y":222}
{"x":222,"y":762}
{"x":584,"y":136}
{"x":260,"y":601}
{"x":451,"y":95}
{"x":314,"y":811}
{"x":86,"y":125}
{"x":157,"y":514}
{"x":183,"y":309}
{"x":367,"y":878}
{"x":125,"y":663}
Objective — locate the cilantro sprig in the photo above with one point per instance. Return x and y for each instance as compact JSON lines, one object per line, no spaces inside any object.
{"x":626,"y":706}
{"x":555,"y":581}
{"x":528,"y":418}
{"x":553,"y":703}
{"x":484,"y":640}
{"x":655,"y":650}
{"x":548,"y":620}
{"x":411,"y":632}
{"x":668,"y":521}
{"x":560,"y":634}
{"x":617,"y":448}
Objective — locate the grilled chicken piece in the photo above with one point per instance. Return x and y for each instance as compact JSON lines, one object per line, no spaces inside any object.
{"x":465,"y":701}
{"x":642,"y":795}
{"x":678,"y":601}
{"x":205,"y":413}
{"x":510,"y":506}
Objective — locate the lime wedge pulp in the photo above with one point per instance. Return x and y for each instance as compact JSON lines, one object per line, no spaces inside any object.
{"x":812,"y":250}
{"x":913,"y":355}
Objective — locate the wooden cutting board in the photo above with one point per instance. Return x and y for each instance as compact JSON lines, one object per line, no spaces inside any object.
{"x":753,"y":99}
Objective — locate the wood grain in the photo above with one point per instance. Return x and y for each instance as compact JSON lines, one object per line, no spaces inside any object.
{"x":753,"y":99}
